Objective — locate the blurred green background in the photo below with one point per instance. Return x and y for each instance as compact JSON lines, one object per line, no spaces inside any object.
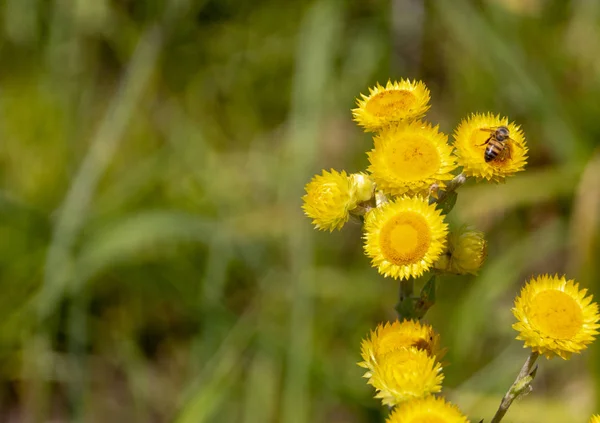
{"x":155,"y":265}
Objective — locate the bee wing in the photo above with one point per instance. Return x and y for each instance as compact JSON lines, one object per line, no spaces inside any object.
{"x":514,"y":143}
{"x":505,"y":153}
{"x":488,"y":129}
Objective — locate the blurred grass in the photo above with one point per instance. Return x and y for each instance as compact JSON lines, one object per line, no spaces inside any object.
{"x":154,"y":260}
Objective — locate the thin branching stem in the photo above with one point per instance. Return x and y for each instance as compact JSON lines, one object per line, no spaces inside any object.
{"x":451,"y":186}
{"x":516,"y":388}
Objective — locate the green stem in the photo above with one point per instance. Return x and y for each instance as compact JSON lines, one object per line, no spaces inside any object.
{"x":517,"y":387}
{"x":406,"y":289}
{"x":406,"y":305}
{"x":452,"y":186}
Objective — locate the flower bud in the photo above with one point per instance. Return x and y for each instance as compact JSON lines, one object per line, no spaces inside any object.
{"x":467,"y":250}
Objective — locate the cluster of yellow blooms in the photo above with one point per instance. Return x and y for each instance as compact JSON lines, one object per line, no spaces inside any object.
{"x":555,"y":318}
{"x":411,"y":165}
{"x":402,"y":199}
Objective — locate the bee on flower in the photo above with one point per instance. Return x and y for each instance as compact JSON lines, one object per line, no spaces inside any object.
{"x":490,"y":147}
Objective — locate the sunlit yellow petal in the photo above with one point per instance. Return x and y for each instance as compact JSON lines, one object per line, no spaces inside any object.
{"x":595,"y":418}
{"x":330,"y":197}
{"x":398,"y":101}
{"x":427,"y":410}
{"x":397,"y":335}
{"x":404,"y":374}
{"x":555,"y":318}
{"x":470,"y":144}
{"x":405,"y":237}
{"x":409,"y":158}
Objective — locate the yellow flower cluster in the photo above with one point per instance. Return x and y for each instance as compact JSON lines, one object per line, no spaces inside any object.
{"x":412,"y":170}
{"x":555,"y":318}
{"x":403,"y":199}
{"x":402,"y":362}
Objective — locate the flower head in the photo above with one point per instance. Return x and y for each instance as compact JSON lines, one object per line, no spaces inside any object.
{"x":405,"y":374}
{"x":409,"y":158}
{"x":404,"y":237}
{"x":397,"y":335}
{"x":398,"y":101}
{"x":470,"y":141}
{"x":328,"y":200}
{"x":595,"y":418}
{"x":430,"y":409}
{"x":467,"y":250}
{"x":555,"y":318}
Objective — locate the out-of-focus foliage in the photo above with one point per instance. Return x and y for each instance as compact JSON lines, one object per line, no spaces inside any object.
{"x":155,"y":265}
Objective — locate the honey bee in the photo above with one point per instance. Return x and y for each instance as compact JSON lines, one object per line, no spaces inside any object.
{"x":497,"y":144}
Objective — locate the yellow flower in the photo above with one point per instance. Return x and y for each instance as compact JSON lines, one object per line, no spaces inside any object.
{"x":409,"y":158}
{"x":595,"y":418}
{"x":328,"y":200}
{"x":397,"y":335}
{"x":404,"y":237}
{"x":470,"y":144}
{"x":555,"y":317}
{"x":404,"y":374}
{"x":397,"y":101}
{"x":427,"y":410}
{"x":467,"y":250}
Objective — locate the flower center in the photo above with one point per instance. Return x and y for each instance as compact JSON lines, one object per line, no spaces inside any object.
{"x":556,"y":314}
{"x":405,"y":238}
{"x":428,"y":418}
{"x":414,"y":159}
{"x":395,"y":340}
{"x":389,"y":103}
{"x":326,"y":192}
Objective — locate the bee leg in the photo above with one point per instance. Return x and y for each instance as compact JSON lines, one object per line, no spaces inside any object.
{"x":486,"y":141}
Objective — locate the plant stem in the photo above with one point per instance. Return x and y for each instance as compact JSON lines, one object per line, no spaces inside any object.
{"x":406,"y":304}
{"x":452,"y":186}
{"x":406,"y":289}
{"x":515,"y":389}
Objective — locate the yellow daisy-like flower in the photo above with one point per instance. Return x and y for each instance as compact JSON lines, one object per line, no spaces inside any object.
{"x":404,"y":374}
{"x":398,"y":101}
{"x":328,"y":200}
{"x":409,"y":158}
{"x":427,"y":410}
{"x":467,"y":250}
{"x":595,"y":418}
{"x":470,"y":144}
{"x":404,"y":237}
{"x":555,"y":318}
{"x":397,"y":335}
